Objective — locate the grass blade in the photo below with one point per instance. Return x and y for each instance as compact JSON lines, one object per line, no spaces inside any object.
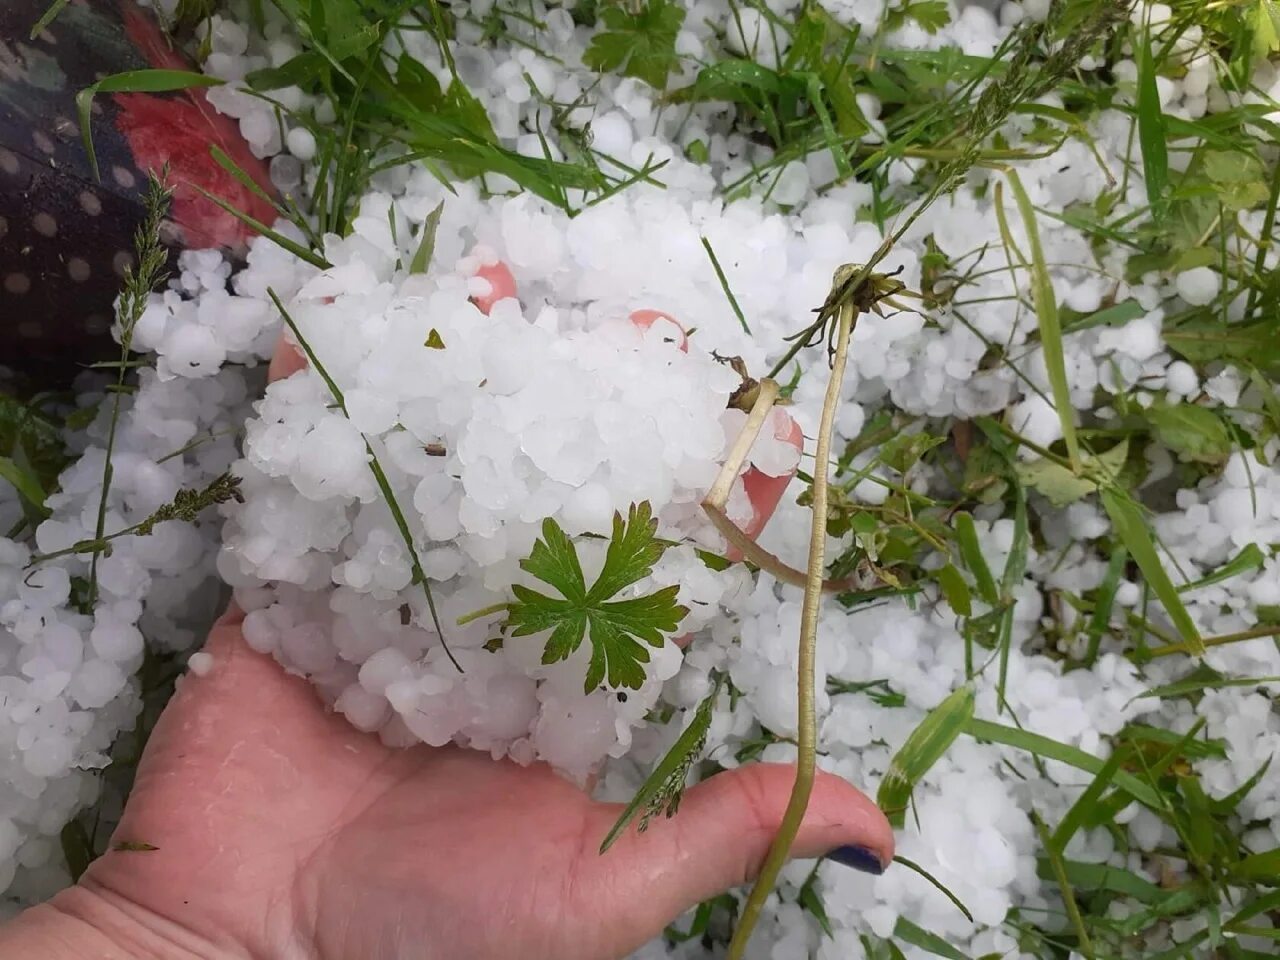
{"x":971,"y":552}
{"x":916,"y":868}
{"x":724,"y":284}
{"x":1058,"y":869}
{"x":297,"y":249}
{"x":1079,"y":813}
{"x":922,"y":749}
{"x":919,"y":937}
{"x":427,"y":243}
{"x":132,"y":81}
{"x":28,"y":486}
{"x":1041,"y":746}
{"x":1046,"y":303}
{"x":384,"y":485}
{"x":47,"y":18}
{"x":674,"y":764}
{"x":1131,"y":527}
{"x":1262,"y":868}
{"x":1105,"y":601}
{"x":1152,"y":136}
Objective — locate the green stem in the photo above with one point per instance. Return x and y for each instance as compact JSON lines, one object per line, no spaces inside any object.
{"x":1270,"y":630}
{"x":481,"y":613}
{"x":807,"y":720}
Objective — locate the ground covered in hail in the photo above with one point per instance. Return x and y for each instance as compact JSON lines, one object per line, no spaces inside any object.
{"x":539,"y":257}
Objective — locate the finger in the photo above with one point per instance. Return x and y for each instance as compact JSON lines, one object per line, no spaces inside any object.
{"x":286,"y":361}
{"x":722,"y":833}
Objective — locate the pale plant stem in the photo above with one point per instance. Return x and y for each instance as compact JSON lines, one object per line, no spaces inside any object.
{"x":807,"y":724}
{"x":718,"y":496}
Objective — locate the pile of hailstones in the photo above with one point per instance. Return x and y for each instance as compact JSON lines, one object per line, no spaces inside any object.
{"x":487,"y":419}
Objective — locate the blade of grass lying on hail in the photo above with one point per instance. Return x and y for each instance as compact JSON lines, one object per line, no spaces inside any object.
{"x":132,"y":81}
{"x":379,"y":475}
{"x":661,"y":792}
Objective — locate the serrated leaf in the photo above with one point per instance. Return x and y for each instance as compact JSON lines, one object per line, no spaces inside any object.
{"x":661,"y":791}
{"x":1203,"y":341}
{"x":1061,"y":487}
{"x":620,"y":631}
{"x":904,"y":451}
{"x":1193,"y":432}
{"x":641,"y":45}
{"x":1055,"y":482}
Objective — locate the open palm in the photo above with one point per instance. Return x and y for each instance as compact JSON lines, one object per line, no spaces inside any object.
{"x":282,"y":832}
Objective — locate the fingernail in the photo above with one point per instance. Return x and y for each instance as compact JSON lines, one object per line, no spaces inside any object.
{"x":860,"y":858}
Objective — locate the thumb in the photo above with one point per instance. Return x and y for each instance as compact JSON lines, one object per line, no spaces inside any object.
{"x":722,"y":834}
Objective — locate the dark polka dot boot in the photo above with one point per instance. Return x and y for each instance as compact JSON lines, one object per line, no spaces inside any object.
{"x":66,"y":237}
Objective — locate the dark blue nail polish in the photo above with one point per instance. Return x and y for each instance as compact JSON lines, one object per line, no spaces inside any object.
{"x":860,"y":858}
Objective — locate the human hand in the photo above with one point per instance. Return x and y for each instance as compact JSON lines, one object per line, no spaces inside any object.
{"x":281,"y":831}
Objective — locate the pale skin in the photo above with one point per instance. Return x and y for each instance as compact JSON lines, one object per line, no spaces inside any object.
{"x":283,"y":833}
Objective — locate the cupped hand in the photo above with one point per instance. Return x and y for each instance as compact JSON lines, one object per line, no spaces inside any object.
{"x":280,"y":831}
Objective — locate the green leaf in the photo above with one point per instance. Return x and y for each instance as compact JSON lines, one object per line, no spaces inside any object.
{"x":812,"y":903}
{"x":47,"y":18}
{"x":904,"y":451}
{"x":618,"y":629}
{"x":971,"y":551}
{"x":955,"y":590}
{"x":1058,"y":484}
{"x":26,"y":483}
{"x":1265,"y":21}
{"x":1072,"y":756}
{"x":1248,"y":559}
{"x":1046,"y":303}
{"x":1198,"y":684}
{"x":931,"y":15}
{"x":1204,"y":341}
{"x":427,"y":242}
{"x":132,"y":81}
{"x":661,"y":791}
{"x":919,"y":937}
{"x":641,"y":45}
{"x":1238,"y":178}
{"x":304,"y":71}
{"x":1061,"y":486}
{"x":1113,"y":316}
{"x":1261,"y":868}
{"x":434,"y":340}
{"x":1100,"y":876}
{"x":1193,"y":432}
{"x":1131,"y":527}
{"x":1152,"y":136}
{"x":922,"y":749}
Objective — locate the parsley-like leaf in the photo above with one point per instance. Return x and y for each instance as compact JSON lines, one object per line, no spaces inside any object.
{"x":619,"y":629}
{"x":641,"y":45}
